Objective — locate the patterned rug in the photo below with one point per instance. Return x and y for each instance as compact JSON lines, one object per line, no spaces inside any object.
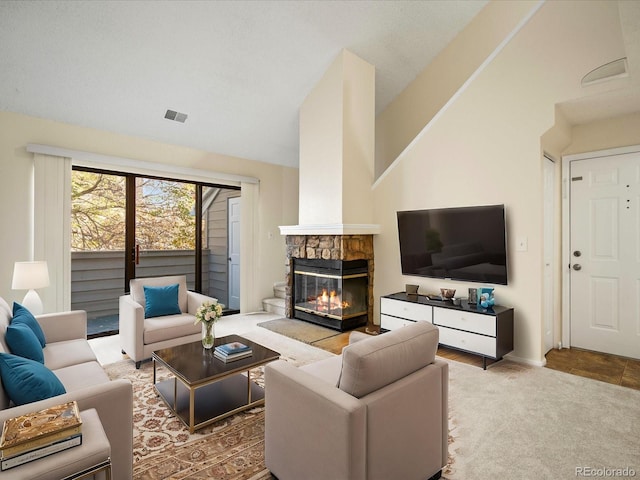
{"x":231,"y":449}
{"x":163,"y":448}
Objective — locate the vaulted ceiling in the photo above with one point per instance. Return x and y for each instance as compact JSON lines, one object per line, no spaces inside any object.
{"x":239,"y":69}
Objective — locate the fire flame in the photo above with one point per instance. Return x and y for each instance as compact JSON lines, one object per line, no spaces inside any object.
{"x":330,"y":302}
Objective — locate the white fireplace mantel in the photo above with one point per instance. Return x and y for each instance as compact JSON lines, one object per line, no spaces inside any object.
{"x":331,"y":229}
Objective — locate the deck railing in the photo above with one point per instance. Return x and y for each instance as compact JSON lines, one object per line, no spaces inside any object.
{"x":97,"y":278}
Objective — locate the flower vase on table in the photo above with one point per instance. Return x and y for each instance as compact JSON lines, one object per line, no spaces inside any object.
{"x":208,"y":335}
{"x":208,"y":314}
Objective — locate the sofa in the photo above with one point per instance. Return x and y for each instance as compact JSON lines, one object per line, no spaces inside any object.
{"x":377,"y":411}
{"x":69,"y":356}
{"x":140,"y":334}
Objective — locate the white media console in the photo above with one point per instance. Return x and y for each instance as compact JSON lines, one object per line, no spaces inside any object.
{"x":485,"y":332}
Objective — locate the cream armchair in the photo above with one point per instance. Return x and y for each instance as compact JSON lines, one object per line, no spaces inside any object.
{"x":378,"y":411}
{"x":140,"y":336}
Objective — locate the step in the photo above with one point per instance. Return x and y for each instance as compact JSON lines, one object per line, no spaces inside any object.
{"x":274,"y":305}
{"x":280,"y":289}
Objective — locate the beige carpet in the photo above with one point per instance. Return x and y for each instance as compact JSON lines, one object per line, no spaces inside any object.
{"x":298,"y":330}
{"x":521,"y":422}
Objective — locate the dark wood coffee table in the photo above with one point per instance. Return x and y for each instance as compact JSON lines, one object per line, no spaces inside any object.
{"x":205,"y":389}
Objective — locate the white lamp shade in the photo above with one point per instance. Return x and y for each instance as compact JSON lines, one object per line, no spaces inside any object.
{"x":30,"y":275}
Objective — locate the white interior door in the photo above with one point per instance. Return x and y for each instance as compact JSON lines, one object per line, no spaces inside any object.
{"x":605,"y":254}
{"x":234,"y":252}
{"x":549,"y":242}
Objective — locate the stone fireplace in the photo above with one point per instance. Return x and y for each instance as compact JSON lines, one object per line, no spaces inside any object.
{"x":330,"y":279}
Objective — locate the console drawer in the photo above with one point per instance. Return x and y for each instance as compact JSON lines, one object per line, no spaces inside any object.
{"x":391,"y":323}
{"x":468,"y":341}
{"x":471,"y":322}
{"x":408,"y":310}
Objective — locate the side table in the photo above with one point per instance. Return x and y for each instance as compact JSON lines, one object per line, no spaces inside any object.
{"x":90,"y":458}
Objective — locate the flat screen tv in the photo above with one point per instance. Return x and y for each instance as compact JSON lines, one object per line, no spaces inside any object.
{"x":463,"y":243}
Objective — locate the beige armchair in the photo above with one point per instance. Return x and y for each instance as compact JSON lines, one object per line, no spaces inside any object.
{"x":140,"y":336}
{"x":377,"y":411}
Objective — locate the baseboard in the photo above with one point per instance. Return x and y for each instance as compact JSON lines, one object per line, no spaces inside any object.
{"x":526,"y":361}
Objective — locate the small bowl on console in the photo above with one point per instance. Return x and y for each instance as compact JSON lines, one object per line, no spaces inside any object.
{"x":447,"y":293}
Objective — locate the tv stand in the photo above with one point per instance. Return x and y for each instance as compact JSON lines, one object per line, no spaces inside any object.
{"x":487,"y":332}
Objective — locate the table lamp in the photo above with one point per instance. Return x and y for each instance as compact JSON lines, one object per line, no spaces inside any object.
{"x":29,"y":276}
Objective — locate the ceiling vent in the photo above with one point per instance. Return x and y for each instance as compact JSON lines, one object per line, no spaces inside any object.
{"x":175,"y":116}
{"x":608,"y":71}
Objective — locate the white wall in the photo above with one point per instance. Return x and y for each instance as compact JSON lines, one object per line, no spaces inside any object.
{"x":486,"y":148}
{"x":277,"y":189}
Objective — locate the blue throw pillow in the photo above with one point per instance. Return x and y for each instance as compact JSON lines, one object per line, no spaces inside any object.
{"x":23,"y":342}
{"x":22,"y":315}
{"x":27,"y":381}
{"x":160,"y":301}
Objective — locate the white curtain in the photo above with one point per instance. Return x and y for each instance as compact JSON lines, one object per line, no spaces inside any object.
{"x":52,"y":227}
{"x":249,"y":196}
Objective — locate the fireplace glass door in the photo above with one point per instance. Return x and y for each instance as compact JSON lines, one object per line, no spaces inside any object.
{"x":331,"y":289}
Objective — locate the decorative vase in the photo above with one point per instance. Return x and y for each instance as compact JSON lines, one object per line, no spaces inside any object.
{"x":208,"y":335}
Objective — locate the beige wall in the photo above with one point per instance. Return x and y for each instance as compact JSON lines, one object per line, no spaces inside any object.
{"x":410,"y":111}
{"x":614,"y":132}
{"x":553,"y":142}
{"x":486,"y":148}
{"x":359,"y":142}
{"x":321,"y":119}
{"x":337,"y":128}
{"x":278,"y":188}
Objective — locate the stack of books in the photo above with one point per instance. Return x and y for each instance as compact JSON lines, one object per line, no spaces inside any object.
{"x":38,"y":434}
{"x":232,"y":351}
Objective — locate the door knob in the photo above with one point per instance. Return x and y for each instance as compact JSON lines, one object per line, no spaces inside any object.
{"x":577,"y":253}
{"x":577,"y":267}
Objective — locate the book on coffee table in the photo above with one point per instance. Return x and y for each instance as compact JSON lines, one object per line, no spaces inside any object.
{"x":232,"y":351}
{"x":232,"y":348}
{"x":233,"y":356}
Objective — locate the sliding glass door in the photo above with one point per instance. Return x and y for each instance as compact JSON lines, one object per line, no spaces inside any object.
{"x":164,"y":237}
{"x":128,"y":226}
{"x":98,"y":241}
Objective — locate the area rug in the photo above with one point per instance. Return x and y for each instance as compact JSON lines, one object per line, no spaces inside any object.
{"x":231,"y":449}
{"x":163,"y":448}
{"x":298,"y":330}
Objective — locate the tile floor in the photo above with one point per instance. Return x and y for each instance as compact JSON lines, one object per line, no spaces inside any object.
{"x":107,"y":349}
{"x":599,"y":366}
